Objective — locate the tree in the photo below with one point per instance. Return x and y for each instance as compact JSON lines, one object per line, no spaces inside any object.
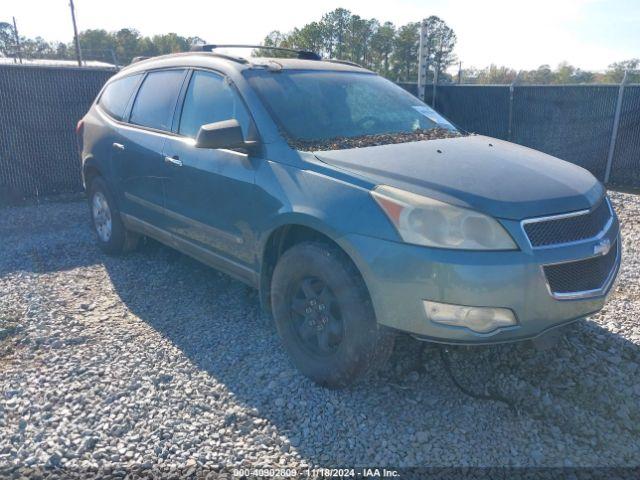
{"x":128,"y":45}
{"x":382,"y":47}
{"x":146,"y":48}
{"x":195,"y":41}
{"x":496,"y":75}
{"x":542,"y":75}
{"x":96,"y":44}
{"x":564,"y":73}
{"x":405,"y":52}
{"x":309,"y":37}
{"x":390,"y":51}
{"x":441,"y":40}
{"x":62,"y":50}
{"x":7,"y":39}
{"x":616,"y":70}
{"x":274,"y":39}
{"x":334,"y":26}
{"x":358,"y":39}
{"x":36,"y":48}
{"x":170,"y":43}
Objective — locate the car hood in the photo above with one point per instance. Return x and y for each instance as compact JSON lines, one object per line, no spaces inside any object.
{"x":489,"y":175}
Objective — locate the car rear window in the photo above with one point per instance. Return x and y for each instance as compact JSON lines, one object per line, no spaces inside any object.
{"x":116,"y":95}
{"x":156,"y":99}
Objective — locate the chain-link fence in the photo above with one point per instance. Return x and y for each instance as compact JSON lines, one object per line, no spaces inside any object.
{"x":594,"y":126}
{"x":63,"y":57}
{"x":39,"y":109}
{"x":487,"y":113}
{"x":625,"y":169}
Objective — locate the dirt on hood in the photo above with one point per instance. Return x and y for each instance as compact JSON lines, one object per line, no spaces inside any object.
{"x":343,"y":143}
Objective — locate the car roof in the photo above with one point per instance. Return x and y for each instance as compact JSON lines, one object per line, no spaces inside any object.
{"x":221,"y":60}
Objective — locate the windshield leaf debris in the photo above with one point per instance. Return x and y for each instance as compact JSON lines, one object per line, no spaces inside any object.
{"x":343,"y":143}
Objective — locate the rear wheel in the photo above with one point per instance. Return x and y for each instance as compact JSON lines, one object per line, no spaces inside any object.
{"x":111,"y":234}
{"x":324,"y":316}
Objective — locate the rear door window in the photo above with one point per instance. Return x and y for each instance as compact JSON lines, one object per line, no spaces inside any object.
{"x":117,"y":94}
{"x":211,"y":98}
{"x":156,"y":99}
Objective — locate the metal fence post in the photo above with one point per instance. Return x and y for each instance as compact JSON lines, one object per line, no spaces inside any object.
{"x":510,"y":111}
{"x":435,"y":88}
{"x":614,"y":132}
{"x":436,"y":76}
{"x":423,"y":61}
{"x":114,"y":58}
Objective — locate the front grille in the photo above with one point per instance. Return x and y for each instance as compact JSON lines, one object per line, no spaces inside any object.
{"x":568,"y":229}
{"x":583,"y":275}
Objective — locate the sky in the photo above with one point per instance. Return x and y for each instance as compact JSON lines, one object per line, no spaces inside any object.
{"x":590,"y":34}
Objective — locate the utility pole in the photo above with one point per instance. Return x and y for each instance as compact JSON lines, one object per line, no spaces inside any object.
{"x":459,"y":73}
{"x":75,"y":33}
{"x":423,"y":61}
{"x":18,"y":46}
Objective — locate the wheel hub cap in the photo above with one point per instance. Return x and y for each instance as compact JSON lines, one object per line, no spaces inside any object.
{"x":317,"y":318}
{"x":101,"y":216}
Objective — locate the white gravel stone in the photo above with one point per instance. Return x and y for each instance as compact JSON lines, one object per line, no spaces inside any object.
{"x":155,"y":361}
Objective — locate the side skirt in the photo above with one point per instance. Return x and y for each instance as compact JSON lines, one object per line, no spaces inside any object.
{"x":219,"y":262}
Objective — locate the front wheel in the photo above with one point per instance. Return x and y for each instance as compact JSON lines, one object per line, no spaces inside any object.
{"x":111,"y":234}
{"x":324,"y":316}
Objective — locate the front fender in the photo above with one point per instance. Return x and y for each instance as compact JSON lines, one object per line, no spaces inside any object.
{"x":315,"y":198}
{"x":298,"y":219}
{"x":330,"y":205}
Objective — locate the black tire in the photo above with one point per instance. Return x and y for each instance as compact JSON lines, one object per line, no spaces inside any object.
{"x":120,"y":240}
{"x":340,"y":359}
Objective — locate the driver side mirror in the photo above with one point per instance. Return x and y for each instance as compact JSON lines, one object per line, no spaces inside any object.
{"x":225,"y":134}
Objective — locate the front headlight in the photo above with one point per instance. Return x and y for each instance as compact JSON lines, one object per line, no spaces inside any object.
{"x":425,"y":221}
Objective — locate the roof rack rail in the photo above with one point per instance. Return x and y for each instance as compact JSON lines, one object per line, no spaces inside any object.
{"x":139,"y":59}
{"x":344,"y":62}
{"x":301,"y":54}
{"x":230,"y":57}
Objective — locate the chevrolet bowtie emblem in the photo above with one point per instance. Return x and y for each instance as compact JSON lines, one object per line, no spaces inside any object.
{"x":602,"y":247}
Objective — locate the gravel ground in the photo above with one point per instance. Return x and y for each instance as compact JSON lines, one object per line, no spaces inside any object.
{"x":154,"y":361}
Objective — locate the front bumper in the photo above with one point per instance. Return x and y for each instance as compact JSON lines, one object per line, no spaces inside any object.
{"x":401,"y":276}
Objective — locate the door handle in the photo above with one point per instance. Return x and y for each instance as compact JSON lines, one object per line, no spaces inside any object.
{"x":118,"y":146}
{"x":175,"y":161}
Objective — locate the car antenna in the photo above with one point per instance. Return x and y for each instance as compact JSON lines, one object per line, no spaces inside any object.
{"x":301,"y":54}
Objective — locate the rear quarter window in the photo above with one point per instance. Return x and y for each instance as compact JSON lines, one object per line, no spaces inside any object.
{"x":156,"y":100}
{"x":117,"y":94}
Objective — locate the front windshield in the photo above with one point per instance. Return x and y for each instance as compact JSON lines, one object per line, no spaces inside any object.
{"x":328,"y":109}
